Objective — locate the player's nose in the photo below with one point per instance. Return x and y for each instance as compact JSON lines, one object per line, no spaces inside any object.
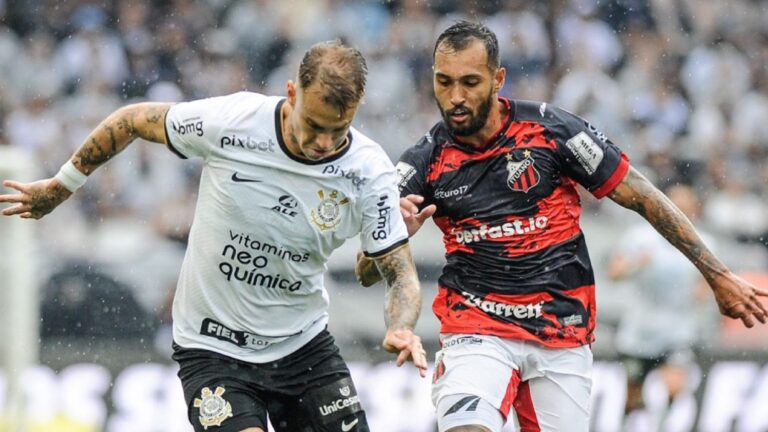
{"x":457,"y":96}
{"x":324,"y":142}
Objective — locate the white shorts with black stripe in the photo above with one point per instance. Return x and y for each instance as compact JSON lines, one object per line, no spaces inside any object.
{"x":547,"y":389}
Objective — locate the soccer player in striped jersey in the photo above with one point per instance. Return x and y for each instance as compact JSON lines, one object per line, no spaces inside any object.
{"x":516,"y":298}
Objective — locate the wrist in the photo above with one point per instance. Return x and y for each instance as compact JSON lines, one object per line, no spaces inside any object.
{"x":70,"y":177}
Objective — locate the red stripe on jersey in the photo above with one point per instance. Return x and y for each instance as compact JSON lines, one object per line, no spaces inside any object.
{"x":474,"y":315}
{"x":511,"y":394}
{"x":451,"y":158}
{"x":451,"y":244}
{"x":526,"y":412}
{"x":615,"y":179}
{"x":556,"y":222}
{"x":529,"y":134}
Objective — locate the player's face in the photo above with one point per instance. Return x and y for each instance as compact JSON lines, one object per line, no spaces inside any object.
{"x":317,"y":129}
{"x":465,"y":87}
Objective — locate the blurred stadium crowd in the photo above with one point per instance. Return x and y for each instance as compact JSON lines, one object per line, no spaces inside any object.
{"x":680,"y":85}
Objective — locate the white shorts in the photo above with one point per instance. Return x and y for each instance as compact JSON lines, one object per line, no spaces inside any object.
{"x":548,"y":389}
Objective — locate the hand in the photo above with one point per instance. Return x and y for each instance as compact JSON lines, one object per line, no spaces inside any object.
{"x":408,"y":346}
{"x":414,"y":218}
{"x":36,"y":199}
{"x":738,"y":299}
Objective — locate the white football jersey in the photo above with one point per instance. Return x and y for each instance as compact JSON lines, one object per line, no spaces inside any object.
{"x":266,"y":221}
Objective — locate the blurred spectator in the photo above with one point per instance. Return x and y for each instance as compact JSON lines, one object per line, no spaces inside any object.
{"x":666,"y":285}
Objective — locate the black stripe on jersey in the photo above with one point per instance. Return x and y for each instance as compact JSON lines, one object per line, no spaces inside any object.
{"x":284,"y":148}
{"x":168,"y":138}
{"x":386,"y":250}
{"x":561,"y":267}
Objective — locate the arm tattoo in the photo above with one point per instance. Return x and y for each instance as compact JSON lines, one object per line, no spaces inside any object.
{"x":403,"y":299}
{"x":637,"y":193}
{"x":46,"y":200}
{"x":144,"y":120}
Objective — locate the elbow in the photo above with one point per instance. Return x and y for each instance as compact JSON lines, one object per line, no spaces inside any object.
{"x":366,"y":280}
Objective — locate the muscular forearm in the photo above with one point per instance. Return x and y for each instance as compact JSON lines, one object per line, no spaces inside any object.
{"x":144,"y":120}
{"x":638,"y":194}
{"x":403,"y":299}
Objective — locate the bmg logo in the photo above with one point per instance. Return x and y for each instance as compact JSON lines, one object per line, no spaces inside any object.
{"x":382,"y":221}
{"x":188,"y":126}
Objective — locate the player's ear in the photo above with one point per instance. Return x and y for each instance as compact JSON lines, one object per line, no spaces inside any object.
{"x":290,"y":91}
{"x":498,"y":79}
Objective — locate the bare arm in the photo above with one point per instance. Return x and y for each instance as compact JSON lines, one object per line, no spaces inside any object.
{"x":735,"y":297}
{"x":365,"y":269}
{"x":403,"y":300}
{"x":402,"y":306}
{"x":143,"y":120}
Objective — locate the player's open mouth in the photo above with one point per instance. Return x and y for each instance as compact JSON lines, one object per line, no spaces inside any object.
{"x":459,"y":115}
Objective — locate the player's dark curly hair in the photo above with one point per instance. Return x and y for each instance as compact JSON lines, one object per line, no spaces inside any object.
{"x":339,"y":69}
{"x":458,"y":36}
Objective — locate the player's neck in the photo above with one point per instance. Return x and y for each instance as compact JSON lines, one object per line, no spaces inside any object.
{"x":286,"y":132}
{"x":496,"y":117}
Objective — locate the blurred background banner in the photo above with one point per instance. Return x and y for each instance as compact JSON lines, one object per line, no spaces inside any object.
{"x":680,"y":85}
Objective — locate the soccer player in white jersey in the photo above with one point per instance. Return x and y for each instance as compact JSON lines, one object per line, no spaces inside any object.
{"x":286,"y":180}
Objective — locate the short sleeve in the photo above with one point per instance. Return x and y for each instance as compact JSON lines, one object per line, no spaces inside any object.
{"x":412,"y":169}
{"x":588,"y":156}
{"x":192,"y":128}
{"x":383,"y":227}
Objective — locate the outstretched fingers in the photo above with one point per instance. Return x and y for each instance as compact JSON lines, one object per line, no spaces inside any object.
{"x":417,"y":355}
{"x":21,"y":209}
{"x":409,"y":347}
{"x":12,"y":184}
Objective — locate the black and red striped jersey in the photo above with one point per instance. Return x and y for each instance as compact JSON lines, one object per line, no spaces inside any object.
{"x":517,"y":263}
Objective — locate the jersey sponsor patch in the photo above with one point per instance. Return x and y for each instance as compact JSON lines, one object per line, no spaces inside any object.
{"x":382,"y":220}
{"x":404,"y":174}
{"x":505,"y":310}
{"x":219,"y":331}
{"x":193,"y":125}
{"x":587,"y":152}
{"x":335,"y":401}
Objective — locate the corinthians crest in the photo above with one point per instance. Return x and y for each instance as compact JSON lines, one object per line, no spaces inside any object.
{"x":327,"y":214}
{"x":523,"y":175}
{"x":213,"y":408}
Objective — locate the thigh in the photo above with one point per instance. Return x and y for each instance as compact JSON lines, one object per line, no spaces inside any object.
{"x":474,"y":383}
{"x":559,"y":398}
{"x":333,"y":406}
{"x":217,"y":400}
{"x":474,"y":365}
{"x":317,"y":393}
